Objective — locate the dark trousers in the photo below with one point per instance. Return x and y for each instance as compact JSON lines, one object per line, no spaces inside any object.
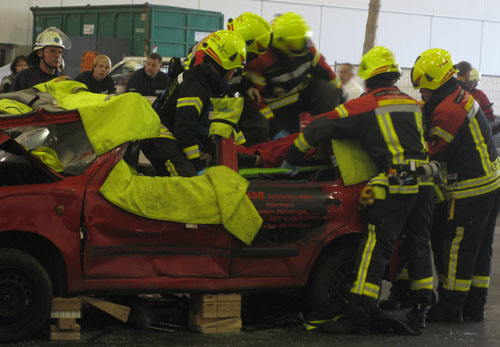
{"x":385,"y":221}
{"x":467,"y":249}
{"x":318,"y":97}
{"x":167,"y":157}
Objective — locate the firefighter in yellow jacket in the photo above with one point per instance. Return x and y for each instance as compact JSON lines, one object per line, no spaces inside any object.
{"x":388,"y":123}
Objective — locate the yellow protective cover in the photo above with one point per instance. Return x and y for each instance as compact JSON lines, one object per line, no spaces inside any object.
{"x":354,"y":163}
{"x":13,"y":107}
{"x":228,"y":109}
{"x":217,"y":197}
{"x":49,"y":157}
{"x":108,"y":123}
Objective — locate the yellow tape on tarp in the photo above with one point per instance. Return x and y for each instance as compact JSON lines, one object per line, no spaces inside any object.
{"x":354,"y":163}
{"x":108,"y":123}
{"x":217,"y":197}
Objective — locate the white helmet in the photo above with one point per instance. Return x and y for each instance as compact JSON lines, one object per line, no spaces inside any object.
{"x":52,"y":37}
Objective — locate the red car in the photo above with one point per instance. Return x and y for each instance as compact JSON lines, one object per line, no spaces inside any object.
{"x":60,"y":237}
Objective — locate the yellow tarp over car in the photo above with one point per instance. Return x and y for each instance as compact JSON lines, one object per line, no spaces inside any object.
{"x":217,"y":197}
{"x":108,"y":123}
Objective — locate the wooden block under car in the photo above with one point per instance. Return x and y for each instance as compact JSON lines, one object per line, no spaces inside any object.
{"x":216,"y":305}
{"x":64,"y":313}
{"x":215,"y":313}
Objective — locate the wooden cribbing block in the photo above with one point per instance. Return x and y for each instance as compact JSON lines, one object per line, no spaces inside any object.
{"x":215,"y":313}
{"x":64,"y":313}
{"x":120,"y":312}
{"x":66,"y":308}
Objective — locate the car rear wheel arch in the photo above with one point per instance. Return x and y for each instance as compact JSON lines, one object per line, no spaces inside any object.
{"x":25,"y":295}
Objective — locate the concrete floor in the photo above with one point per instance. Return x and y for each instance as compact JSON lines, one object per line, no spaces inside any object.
{"x":466,"y":334}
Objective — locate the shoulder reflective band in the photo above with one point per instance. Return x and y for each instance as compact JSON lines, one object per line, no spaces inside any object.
{"x":191,"y":101}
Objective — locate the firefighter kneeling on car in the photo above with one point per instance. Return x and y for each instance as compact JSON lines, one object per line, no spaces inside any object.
{"x":388,"y":123}
{"x":185,"y":115}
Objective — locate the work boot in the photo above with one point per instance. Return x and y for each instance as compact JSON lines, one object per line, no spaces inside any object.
{"x":440,"y":314}
{"x":475,"y":314}
{"x":345,"y":326}
{"x":387,"y":322}
{"x":355,"y":319}
{"x":419,"y":313}
{"x":399,"y":296}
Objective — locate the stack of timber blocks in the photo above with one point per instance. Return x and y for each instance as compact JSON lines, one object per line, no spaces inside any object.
{"x":215,"y":313}
{"x":64,"y":314}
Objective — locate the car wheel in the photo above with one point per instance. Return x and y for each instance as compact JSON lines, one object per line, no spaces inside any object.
{"x":332,"y":280}
{"x":25,"y":295}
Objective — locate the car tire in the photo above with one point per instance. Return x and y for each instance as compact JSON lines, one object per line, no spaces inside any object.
{"x":332,"y":279}
{"x":25,"y":295}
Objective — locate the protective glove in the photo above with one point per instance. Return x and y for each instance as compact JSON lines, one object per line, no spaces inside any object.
{"x":254,"y":95}
{"x":201,"y":172}
{"x":282,"y":133}
{"x":292,"y":169}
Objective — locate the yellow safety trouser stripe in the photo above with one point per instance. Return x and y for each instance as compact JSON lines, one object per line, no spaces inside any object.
{"x":301,"y":143}
{"x":481,"y":281}
{"x":391,"y":138}
{"x":449,"y":281}
{"x":171,"y":168}
{"x":191,"y":101}
{"x":342,"y":111}
{"x":191,"y":152}
{"x":480,"y":146}
{"x":467,"y":193}
{"x":371,"y":290}
{"x":442,"y":134}
{"x":424,"y":283}
{"x":359,"y":284}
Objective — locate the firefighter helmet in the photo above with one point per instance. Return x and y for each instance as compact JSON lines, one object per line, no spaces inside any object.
{"x":291,"y":34}
{"x":226,"y":48}
{"x":254,"y":29}
{"x":376,"y":61}
{"x":432,"y":69}
{"x":52,"y":36}
{"x":475,"y":76}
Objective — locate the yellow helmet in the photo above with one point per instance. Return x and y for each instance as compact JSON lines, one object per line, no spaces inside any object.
{"x":52,"y":36}
{"x":254,"y":29}
{"x":432,"y":69}
{"x":227,"y":48}
{"x":475,"y":76}
{"x":291,"y":34}
{"x":376,"y":61}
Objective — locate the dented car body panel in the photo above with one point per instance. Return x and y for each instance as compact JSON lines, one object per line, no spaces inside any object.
{"x":108,"y":250}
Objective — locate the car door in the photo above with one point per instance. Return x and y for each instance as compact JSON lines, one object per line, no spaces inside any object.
{"x":297,"y":217}
{"x":119,"y":244}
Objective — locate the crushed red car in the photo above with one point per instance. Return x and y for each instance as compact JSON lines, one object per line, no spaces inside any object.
{"x":60,"y":237}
